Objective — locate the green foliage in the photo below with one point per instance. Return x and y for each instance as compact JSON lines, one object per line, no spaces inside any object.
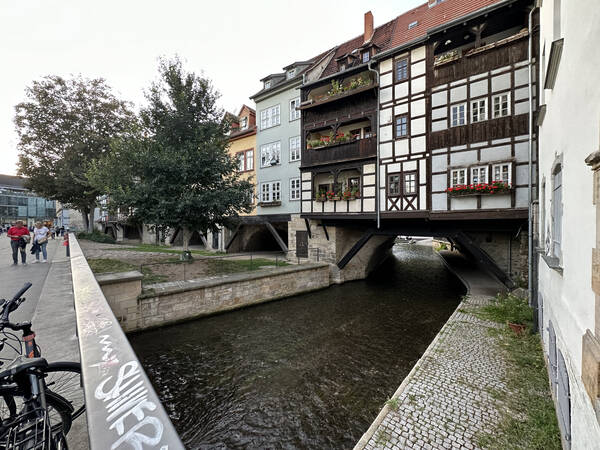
{"x":175,"y":170}
{"x":528,"y":417}
{"x":62,"y":126}
{"x":107,"y":265}
{"x":96,"y":236}
{"x":508,"y":308}
{"x":164,"y":249}
{"x":393,"y":403}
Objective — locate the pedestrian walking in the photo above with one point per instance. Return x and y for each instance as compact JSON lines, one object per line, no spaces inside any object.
{"x":40,"y":241}
{"x":19,"y":238}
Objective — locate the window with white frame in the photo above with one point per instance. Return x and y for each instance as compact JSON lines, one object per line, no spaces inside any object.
{"x":267,"y":84}
{"x":365,"y":57}
{"x":458,"y":114}
{"x":270,"y":117}
{"x":244,"y":123}
{"x":270,"y":191}
{"x":294,"y":188}
{"x":245,"y":160}
{"x":502,"y":172}
{"x":458,"y":177}
{"x":291,"y":73}
{"x":479,"y":174}
{"x":250,"y":160}
{"x":270,"y":154}
{"x":294,"y":112}
{"x":479,"y":110}
{"x":295,"y":148}
{"x":557,"y":211}
{"x":241,"y":161}
{"x":501,"y":105}
{"x":410,"y":183}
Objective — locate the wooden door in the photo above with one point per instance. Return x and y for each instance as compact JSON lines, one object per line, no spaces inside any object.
{"x":302,"y":244}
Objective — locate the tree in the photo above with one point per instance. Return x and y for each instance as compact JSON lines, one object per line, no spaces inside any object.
{"x":175,"y":171}
{"x":62,"y":127}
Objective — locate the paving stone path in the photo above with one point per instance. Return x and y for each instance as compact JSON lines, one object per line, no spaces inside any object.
{"x":447,"y":399}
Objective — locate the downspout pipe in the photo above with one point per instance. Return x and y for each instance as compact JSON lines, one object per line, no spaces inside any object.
{"x":530,"y":162}
{"x":377,"y":190}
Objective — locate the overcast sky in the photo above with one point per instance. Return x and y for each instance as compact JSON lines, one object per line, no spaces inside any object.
{"x":234,"y":43}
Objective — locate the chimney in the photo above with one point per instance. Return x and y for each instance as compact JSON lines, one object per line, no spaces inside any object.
{"x":368,"y":26}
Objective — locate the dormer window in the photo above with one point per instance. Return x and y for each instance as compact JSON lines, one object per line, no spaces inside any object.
{"x":342,"y":67}
{"x":291,"y":74}
{"x":365,"y":57}
{"x":244,"y":123}
{"x":267,"y":84}
{"x":413,"y":24}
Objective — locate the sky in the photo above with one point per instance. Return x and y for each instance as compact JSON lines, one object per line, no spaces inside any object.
{"x":234,"y":43}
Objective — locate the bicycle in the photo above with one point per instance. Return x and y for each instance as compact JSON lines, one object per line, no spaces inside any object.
{"x":41,"y":399}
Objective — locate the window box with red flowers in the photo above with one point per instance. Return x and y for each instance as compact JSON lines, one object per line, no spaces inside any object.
{"x":494,"y":188}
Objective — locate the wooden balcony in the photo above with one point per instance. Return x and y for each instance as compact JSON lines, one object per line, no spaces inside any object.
{"x":359,"y":149}
{"x":477,"y":60}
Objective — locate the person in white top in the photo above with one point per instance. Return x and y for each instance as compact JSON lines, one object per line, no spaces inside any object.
{"x":40,"y":237}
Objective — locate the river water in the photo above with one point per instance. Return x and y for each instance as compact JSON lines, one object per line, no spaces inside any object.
{"x":310,"y":371}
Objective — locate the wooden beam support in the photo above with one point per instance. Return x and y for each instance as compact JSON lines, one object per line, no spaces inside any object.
{"x":307,"y":223}
{"x":233,"y":236}
{"x":325,"y":230}
{"x":276,"y":236}
{"x":355,"y":249}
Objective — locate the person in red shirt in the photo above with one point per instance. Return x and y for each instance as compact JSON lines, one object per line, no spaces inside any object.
{"x":17,"y":241}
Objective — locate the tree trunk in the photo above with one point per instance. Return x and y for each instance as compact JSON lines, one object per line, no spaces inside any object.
{"x":86,"y":219}
{"x":187,"y":234}
{"x":157,"y":234}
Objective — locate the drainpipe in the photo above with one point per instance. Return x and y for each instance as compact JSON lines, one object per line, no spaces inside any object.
{"x":377,"y":193}
{"x":530,"y":162}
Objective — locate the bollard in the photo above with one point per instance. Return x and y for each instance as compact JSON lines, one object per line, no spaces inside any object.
{"x":66,"y":244}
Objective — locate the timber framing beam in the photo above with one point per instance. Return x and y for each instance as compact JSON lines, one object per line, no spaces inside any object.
{"x":233,"y":236}
{"x":276,"y":236}
{"x":307,"y":223}
{"x":355,"y":249}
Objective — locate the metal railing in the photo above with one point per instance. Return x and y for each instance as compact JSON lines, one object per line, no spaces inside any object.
{"x":123,"y":409}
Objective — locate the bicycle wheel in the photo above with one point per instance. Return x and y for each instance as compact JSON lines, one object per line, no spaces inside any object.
{"x":64,"y":378}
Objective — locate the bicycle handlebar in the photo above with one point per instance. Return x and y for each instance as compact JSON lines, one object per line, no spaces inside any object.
{"x":13,"y":303}
{"x":24,"y":289}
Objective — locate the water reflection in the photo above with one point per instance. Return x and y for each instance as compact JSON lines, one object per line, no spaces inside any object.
{"x":310,"y":371}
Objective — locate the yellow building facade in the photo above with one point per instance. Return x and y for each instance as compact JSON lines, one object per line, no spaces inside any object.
{"x":242,"y":146}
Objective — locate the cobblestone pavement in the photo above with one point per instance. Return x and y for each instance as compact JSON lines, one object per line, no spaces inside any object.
{"x":446,"y":400}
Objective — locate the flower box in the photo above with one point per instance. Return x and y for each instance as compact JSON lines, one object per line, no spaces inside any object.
{"x":494,"y":188}
{"x":321,"y":199}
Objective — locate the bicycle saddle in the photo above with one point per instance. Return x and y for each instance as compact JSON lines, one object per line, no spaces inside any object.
{"x":22,"y":363}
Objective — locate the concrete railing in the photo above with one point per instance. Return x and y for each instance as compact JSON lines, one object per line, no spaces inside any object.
{"x":123,"y":410}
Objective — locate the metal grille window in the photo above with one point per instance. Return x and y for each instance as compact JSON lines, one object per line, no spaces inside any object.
{"x":410,"y":183}
{"x":295,"y":189}
{"x":270,"y":154}
{"x":501,"y":105}
{"x":557,"y":211}
{"x":458,"y":177}
{"x":295,"y":148}
{"x":458,"y":114}
{"x":502,"y":172}
{"x":294,"y":112}
{"x":394,"y":185}
{"x":270,"y":117}
{"x":479,"y":110}
{"x":479,"y":174}
{"x":402,"y":69}
{"x":401,"y":126}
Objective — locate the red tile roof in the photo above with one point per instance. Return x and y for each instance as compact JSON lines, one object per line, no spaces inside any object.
{"x":396,"y":33}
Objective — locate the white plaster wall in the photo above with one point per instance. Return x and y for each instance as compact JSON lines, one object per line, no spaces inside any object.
{"x":571,"y":128}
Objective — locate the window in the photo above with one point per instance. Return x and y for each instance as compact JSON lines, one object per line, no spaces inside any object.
{"x":291,"y":74}
{"x":245,"y":160}
{"x":502,"y":172}
{"x":342,"y":67}
{"x":413,"y":24}
{"x":479,"y":110}
{"x":244,"y":123}
{"x":557,"y":211}
{"x":270,"y":192}
{"x":458,"y":115}
{"x":402,"y":69}
{"x":294,"y":188}
{"x":269,"y":117}
{"x":295,"y":148}
{"x":294,"y":113}
{"x":354,"y":183}
{"x":270,"y":154}
{"x":501,"y":105}
{"x":267,"y":84}
{"x":458,"y":177}
{"x":394,"y":185}
{"x":401,"y":128}
{"x":479,"y":175}
{"x":365,"y":57}
{"x":410,"y":183}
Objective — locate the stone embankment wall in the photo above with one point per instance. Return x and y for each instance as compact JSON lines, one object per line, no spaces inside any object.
{"x":167,"y":303}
